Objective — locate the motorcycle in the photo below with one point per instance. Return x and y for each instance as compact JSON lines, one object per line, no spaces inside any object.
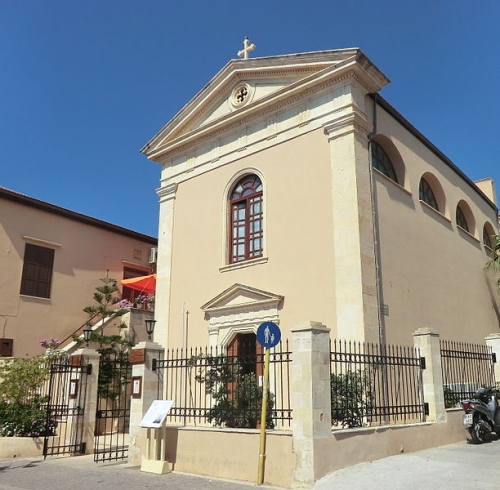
{"x":482,"y":414}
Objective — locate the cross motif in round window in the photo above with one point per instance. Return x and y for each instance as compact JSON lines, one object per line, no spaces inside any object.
{"x":240,"y":95}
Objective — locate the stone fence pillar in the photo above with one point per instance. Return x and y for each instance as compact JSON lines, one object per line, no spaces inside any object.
{"x":427,"y":341}
{"x":493,"y":341}
{"x":311,"y":397}
{"x":144,"y":391}
{"x":88,"y":385}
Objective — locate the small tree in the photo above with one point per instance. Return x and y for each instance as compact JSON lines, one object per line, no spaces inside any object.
{"x":494,"y":262}
{"x":114,"y":349}
{"x":106,"y":298}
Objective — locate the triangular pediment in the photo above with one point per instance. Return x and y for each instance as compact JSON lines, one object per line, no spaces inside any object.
{"x":239,"y":297}
{"x":245,"y":87}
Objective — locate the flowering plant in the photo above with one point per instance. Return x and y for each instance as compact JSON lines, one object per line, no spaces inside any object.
{"x":124,"y":303}
{"x":142,"y":298}
{"x":49,"y":344}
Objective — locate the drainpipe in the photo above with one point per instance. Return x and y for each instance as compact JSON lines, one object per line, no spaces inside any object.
{"x":376,"y":241}
{"x":376,"y":249}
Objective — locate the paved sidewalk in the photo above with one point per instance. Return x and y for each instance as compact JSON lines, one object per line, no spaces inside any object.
{"x":81,"y":473}
{"x":458,"y":466}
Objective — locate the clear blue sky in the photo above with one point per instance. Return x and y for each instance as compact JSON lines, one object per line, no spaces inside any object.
{"x":85,"y":84}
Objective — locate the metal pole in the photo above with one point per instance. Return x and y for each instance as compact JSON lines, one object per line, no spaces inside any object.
{"x":262,"y":447}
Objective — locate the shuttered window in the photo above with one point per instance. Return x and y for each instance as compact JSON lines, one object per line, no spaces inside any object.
{"x":37,"y":271}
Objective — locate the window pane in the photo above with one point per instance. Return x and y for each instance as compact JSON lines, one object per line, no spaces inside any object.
{"x":246,"y":219}
{"x":426,"y":194}
{"x":381,"y":162}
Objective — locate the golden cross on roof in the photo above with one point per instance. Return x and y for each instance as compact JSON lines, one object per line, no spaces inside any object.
{"x":247,"y":47}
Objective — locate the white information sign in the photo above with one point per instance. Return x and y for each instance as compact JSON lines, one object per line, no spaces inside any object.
{"x":155,"y":416}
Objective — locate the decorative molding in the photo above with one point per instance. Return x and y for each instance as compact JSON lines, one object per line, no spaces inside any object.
{"x":40,"y":241}
{"x":273,"y":102}
{"x":349,"y":123}
{"x":167,"y":192}
{"x":243,"y":264}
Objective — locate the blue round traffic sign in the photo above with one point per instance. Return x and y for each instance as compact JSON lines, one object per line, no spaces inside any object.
{"x":268,"y":334}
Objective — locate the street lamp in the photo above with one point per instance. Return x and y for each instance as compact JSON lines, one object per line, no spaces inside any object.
{"x":87,"y":333}
{"x":150,"y":326}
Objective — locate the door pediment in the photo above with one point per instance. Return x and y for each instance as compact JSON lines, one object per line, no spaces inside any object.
{"x":240,"y":297}
{"x":240,"y":309}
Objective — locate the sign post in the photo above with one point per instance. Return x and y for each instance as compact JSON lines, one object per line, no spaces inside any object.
{"x":268,"y":335}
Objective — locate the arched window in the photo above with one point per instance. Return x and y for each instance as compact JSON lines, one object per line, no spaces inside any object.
{"x":426,"y":194}
{"x":461,"y":220}
{"x":382,"y":162}
{"x":246,"y":231}
{"x":488,"y":236}
{"x":487,"y":239}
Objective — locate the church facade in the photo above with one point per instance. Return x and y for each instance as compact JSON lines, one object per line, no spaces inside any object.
{"x":292,"y":191}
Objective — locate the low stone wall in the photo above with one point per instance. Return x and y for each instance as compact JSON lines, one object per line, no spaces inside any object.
{"x":234,"y":453}
{"x":349,"y":447}
{"x":20,"y":447}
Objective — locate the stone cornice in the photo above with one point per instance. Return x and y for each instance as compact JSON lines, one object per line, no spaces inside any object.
{"x":356,"y":68}
{"x":272,"y":103}
{"x":166,"y":193}
{"x":348,"y":123}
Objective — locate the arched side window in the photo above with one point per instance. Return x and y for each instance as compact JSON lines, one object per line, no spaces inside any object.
{"x":488,"y":237}
{"x":382,"y":162}
{"x":461,"y":220}
{"x":426,"y":194}
{"x":246,"y":220}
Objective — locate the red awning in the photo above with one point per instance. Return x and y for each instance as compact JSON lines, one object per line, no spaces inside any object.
{"x":145,"y":284}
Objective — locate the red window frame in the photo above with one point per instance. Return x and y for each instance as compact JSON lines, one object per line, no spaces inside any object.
{"x":246,"y":220}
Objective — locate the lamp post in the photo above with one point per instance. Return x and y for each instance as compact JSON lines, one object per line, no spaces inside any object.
{"x":87,"y":333}
{"x":150,"y":326}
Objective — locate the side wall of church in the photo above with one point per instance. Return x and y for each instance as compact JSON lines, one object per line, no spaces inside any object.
{"x":432,"y":270}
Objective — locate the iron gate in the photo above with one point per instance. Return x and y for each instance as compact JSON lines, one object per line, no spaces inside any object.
{"x":113,"y":407}
{"x":65,"y":407}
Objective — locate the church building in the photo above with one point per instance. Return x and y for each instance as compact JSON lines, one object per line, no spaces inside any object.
{"x":291,"y":190}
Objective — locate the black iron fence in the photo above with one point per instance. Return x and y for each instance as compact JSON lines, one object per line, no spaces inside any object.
{"x":375,"y":385}
{"x":223,"y":387}
{"x":465,"y":367}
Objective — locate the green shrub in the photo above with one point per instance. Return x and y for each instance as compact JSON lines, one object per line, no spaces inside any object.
{"x":25,"y":420}
{"x":237,"y":397}
{"x":352,"y":398}
{"x":450,"y":397}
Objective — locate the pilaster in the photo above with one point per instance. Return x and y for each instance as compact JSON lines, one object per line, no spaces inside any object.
{"x":353,"y":233}
{"x":164,"y":262}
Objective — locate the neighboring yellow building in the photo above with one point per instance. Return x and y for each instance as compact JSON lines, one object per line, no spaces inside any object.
{"x":51,"y":260}
{"x":271,"y":211}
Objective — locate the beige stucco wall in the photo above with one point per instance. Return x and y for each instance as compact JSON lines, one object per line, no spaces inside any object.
{"x":313,"y":156}
{"x":20,"y":447}
{"x":432,"y":271}
{"x":83,"y":254}
{"x":232,"y":454}
{"x":298,"y":239}
{"x":350,"y":447}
